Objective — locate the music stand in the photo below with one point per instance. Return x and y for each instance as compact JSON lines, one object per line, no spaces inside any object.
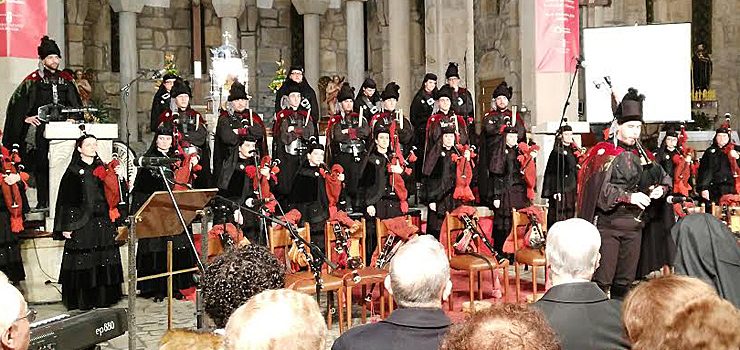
{"x":158,"y":217}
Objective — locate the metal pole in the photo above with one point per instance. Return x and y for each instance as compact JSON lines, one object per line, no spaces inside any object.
{"x":132,"y":283}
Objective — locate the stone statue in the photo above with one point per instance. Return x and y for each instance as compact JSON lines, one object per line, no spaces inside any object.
{"x":701,"y":69}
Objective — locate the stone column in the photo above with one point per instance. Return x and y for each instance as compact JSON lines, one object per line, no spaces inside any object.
{"x":55,"y":14}
{"x":229,"y":11}
{"x":470,"y":51}
{"x":400,"y":58}
{"x":355,"y":42}
{"x":311,"y":10}
{"x":127,"y":10}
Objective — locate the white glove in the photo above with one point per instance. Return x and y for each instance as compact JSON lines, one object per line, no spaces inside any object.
{"x":734,"y":154}
{"x":238,"y":218}
{"x":67,"y":234}
{"x":640,"y":199}
{"x":371,"y":210}
{"x":433,"y":206}
{"x":249,"y":202}
{"x":705,"y":194}
{"x":557,"y":197}
{"x":496,"y":203}
{"x":11,"y":179}
{"x":656,"y":192}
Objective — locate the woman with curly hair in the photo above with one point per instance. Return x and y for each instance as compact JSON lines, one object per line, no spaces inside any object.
{"x":236,"y":276}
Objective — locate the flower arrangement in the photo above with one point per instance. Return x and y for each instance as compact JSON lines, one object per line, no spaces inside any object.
{"x":279,"y":78}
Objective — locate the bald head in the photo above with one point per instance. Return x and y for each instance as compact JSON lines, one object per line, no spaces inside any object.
{"x":573,"y":249}
{"x":420,"y":273}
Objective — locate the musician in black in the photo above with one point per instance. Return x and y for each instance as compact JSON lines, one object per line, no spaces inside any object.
{"x":461,"y":98}
{"x":236,"y":183}
{"x":440,"y":183}
{"x":151,"y":254}
{"x":560,"y":183}
{"x":716,"y":177}
{"x":491,"y":140}
{"x":191,"y":128}
{"x":91,"y":272}
{"x":445,"y":117}
{"x":668,"y":148}
{"x":162,"y":99}
{"x":391,"y":116}
{"x":13,"y":206}
{"x":348,"y":135}
{"x":308,"y":101}
{"x":292,"y":132}
{"x":47,"y":86}
{"x":367,"y":99}
{"x":422,"y":107}
{"x":509,"y":189}
{"x":235,"y":123}
{"x":618,"y":181}
{"x":309,"y":193}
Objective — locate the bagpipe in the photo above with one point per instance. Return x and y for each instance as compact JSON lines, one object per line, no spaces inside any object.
{"x":464,"y":171}
{"x":11,"y":164}
{"x":261,"y":183}
{"x":346,"y":246}
{"x":186,"y":169}
{"x":528,"y":169}
{"x":398,"y":187}
{"x":471,"y":230}
{"x":684,"y":167}
{"x":399,"y":231}
{"x":113,"y":186}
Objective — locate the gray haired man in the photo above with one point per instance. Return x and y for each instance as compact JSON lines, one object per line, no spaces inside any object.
{"x":419,"y":281}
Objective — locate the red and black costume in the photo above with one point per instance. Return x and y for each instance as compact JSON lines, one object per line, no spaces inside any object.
{"x":161,"y":101}
{"x":434,"y":129}
{"x":422,"y":107}
{"x":367,"y":106}
{"x":308,"y":98}
{"x":462,"y":100}
{"x":719,"y":172}
{"x":561,"y":179}
{"x":13,"y":206}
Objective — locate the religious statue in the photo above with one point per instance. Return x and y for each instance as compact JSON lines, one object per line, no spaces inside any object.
{"x":333,"y":84}
{"x":83,"y":87}
{"x":701,"y":70}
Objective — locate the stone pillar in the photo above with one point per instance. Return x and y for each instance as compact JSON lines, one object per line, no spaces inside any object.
{"x":229,"y":11}
{"x":55,"y":14}
{"x":470,"y":51}
{"x":311,"y":10}
{"x":449,"y":28}
{"x":355,"y":42}
{"x":400,"y":58}
{"x":127,"y":10}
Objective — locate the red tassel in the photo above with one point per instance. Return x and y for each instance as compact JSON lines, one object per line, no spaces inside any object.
{"x":113,"y":214}
{"x":16,"y":224}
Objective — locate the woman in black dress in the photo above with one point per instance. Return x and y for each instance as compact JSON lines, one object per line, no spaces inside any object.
{"x":13,"y":205}
{"x":151,"y":254}
{"x":91,"y":272}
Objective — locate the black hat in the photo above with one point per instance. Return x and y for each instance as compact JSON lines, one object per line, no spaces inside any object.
{"x":250,"y":134}
{"x":448,"y":129}
{"x":452,"y":71}
{"x":295,"y":67}
{"x":166,"y":129}
{"x":313,"y":146}
{"x":510,"y":130}
{"x":502,"y":89}
{"x":630,"y":109}
{"x":566,"y":127}
{"x":168,"y":76}
{"x":369,"y":83}
{"x":428,"y":77}
{"x":48,"y":47}
{"x":380,"y":128}
{"x":391,"y":91}
{"x":291,"y":87}
{"x":671,"y":131}
{"x":180,"y":87}
{"x":722,"y":130}
{"x":345,"y":93}
{"x":445,"y":91}
{"x":238,"y":92}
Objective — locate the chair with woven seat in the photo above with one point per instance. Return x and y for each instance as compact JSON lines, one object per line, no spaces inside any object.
{"x":304,"y":281}
{"x":473,"y":264}
{"x":368,"y":275}
{"x":526,"y":255}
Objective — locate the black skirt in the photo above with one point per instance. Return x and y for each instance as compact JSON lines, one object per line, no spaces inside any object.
{"x":11,"y":263}
{"x":151,"y":259}
{"x":91,"y":273}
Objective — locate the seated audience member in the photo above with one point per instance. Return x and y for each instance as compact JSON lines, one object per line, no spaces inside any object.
{"x":419,"y":280}
{"x":648,"y":309}
{"x":705,"y":323}
{"x":276,"y":320}
{"x":15,"y":317}
{"x":181,"y":339}
{"x":707,"y":249}
{"x":236,"y":276}
{"x":503,"y":327}
{"x":578,"y":310}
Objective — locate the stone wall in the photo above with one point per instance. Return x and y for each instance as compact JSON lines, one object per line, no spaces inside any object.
{"x":726,"y":56}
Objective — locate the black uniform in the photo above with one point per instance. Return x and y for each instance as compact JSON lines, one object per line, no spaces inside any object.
{"x":235,"y":184}
{"x":226,"y":139}
{"x":510,"y":188}
{"x":369,"y":105}
{"x":440,"y":185}
{"x":422,"y":107}
{"x":561,"y":176}
{"x":290,"y":146}
{"x":308,"y":101}
{"x":160,"y":102}
{"x":309,"y":197}
{"x":11,"y":262}
{"x":348,"y":142}
{"x":492,"y":150}
{"x":715,"y":173}
{"x":91,"y":272}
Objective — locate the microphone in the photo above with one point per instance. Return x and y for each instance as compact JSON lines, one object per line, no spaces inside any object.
{"x":158,"y":74}
{"x":580,"y":61}
{"x":154,"y":161}
{"x":253,"y":202}
{"x":677,"y":198}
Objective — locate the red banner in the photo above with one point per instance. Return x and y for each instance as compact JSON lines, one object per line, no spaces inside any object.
{"x":556,"y":35}
{"x":22,"y":24}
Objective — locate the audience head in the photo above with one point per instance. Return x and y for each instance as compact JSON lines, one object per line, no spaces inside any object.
{"x":572,"y":250}
{"x":649,"y":307}
{"x":179,"y":339}
{"x":277,"y":319}
{"x":505,"y":327}
{"x":415,"y":284}
{"x":14,"y":317}
{"x":236,"y":276}
{"x":704,"y":323}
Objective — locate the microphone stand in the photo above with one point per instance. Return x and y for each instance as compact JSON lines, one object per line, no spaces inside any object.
{"x":316,"y":258}
{"x":560,"y":166}
{"x":263,"y":222}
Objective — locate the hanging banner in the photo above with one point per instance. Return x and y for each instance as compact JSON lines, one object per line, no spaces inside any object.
{"x":22,"y":24}
{"x":556,"y":35}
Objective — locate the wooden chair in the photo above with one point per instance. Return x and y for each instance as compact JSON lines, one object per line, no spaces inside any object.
{"x":369,"y":275}
{"x":474,"y":265}
{"x":527,"y":256}
{"x":381,"y":235}
{"x":304,"y":281}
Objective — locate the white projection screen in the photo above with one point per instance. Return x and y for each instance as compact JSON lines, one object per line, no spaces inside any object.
{"x":654,"y":59}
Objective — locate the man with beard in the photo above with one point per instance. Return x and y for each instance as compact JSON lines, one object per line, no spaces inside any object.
{"x":422,"y":107}
{"x":347,"y":136}
{"x":618,"y":181}
{"x":309,"y":101}
{"x":292,"y":133}
{"x":48,"y":85}
{"x":716,"y":176}
{"x":491,"y":140}
{"x":462,"y":100}
{"x":161,"y":100}
{"x":560,"y":182}
{"x":191,"y":130}
{"x":237,"y":121}
{"x":367,"y":99}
